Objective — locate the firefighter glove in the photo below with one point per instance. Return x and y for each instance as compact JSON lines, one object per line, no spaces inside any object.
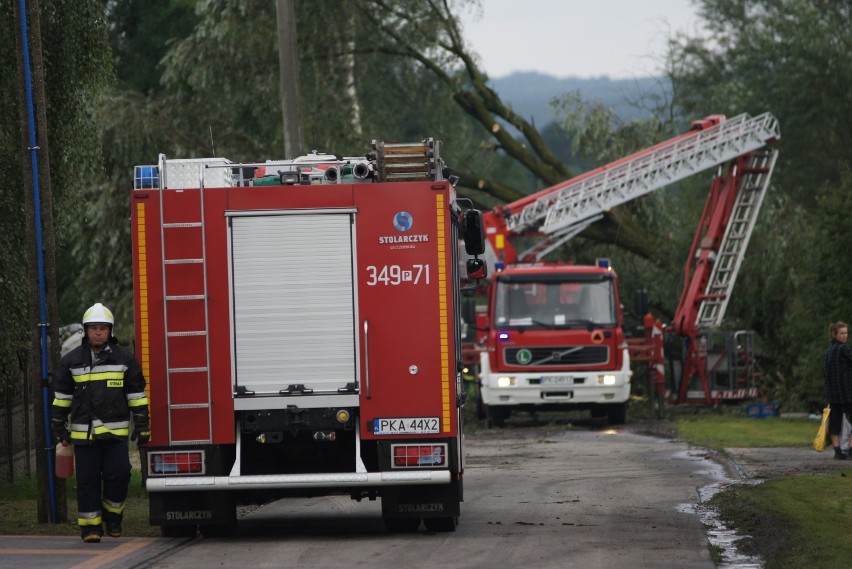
{"x":60,"y":431}
{"x":141,"y":429}
{"x":141,"y":437}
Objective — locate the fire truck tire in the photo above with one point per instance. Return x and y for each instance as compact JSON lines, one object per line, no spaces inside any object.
{"x":179,"y":531}
{"x":598,"y":412}
{"x":218,"y":530}
{"x":402,"y":525}
{"x":480,"y":406}
{"x":617,"y":414}
{"x":441,"y":524}
{"x":496,"y":416}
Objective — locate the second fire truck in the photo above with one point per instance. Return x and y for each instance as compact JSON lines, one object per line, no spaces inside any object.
{"x":549,"y":335}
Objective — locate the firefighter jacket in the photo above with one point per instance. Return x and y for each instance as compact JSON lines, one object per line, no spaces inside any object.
{"x":98,"y":396}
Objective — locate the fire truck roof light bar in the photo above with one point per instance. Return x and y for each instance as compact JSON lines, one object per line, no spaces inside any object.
{"x":341,"y":480}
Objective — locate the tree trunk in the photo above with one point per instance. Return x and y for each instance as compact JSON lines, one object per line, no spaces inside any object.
{"x":288,"y":66}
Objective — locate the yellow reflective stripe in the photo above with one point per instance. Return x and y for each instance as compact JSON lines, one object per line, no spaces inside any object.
{"x":99,"y":423}
{"x":100,"y":376}
{"x":114,"y":507}
{"x":104,"y":429}
{"x":137,"y":402}
{"x":96,"y":521}
{"x":61,"y":402}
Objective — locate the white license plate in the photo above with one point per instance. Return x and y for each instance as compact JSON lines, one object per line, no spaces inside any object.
{"x":557,"y":380}
{"x":406,"y":426}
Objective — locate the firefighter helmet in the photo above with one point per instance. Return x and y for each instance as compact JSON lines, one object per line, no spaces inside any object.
{"x":98,"y":314}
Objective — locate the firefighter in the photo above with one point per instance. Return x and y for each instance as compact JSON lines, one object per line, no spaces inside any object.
{"x":98,"y":387}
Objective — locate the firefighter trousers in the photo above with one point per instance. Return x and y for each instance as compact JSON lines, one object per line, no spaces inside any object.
{"x":103,"y":476}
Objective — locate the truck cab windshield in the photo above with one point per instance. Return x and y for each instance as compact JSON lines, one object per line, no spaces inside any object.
{"x":555,"y":304}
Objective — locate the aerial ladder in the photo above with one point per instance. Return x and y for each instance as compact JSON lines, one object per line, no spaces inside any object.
{"x":556,"y":214}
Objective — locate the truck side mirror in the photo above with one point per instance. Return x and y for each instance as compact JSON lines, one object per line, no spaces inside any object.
{"x":469,"y":310}
{"x":473,"y":232}
{"x":476,"y":269}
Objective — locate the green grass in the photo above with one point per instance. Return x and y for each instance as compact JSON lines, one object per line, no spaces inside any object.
{"x":800,"y":521}
{"x":794,"y":521}
{"x":725,"y":431}
{"x":19,"y":516}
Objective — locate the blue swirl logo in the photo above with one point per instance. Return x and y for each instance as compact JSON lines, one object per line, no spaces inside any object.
{"x":403,"y":221}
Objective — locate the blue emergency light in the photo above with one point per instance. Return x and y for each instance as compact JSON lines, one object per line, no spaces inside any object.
{"x":146,"y":177}
{"x":603,"y":263}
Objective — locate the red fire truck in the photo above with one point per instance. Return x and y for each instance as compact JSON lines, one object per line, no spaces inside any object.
{"x":549,"y":335}
{"x":297,"y":322}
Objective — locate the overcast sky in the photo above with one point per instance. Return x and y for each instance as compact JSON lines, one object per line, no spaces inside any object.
{"x":577,"y":38}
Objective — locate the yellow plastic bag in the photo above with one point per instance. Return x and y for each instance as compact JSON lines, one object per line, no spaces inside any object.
{"x":821,"y":439}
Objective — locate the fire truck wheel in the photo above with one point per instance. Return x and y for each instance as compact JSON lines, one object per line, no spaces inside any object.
{"x":441,"y":524}
{"x":496,"y":416}
{"x":218,"y":530}
{"x":402,"y":525}
{"x":178,"y":531}
{"x":480,"y":406}
{"x":617,"y":414}
{"x":598,"y":412}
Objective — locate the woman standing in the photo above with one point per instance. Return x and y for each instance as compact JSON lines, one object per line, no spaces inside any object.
{"x":838,"y":383}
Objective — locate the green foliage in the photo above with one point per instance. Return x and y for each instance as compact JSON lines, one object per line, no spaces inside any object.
{"x":76,"y":69}
{"x":140,"y":33}
{"x":13,"y":256}
{"x":793,"y":58}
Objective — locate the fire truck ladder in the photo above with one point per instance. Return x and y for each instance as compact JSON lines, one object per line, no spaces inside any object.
{"x":754,"y":183}
{"x":569,"y":207}
{"x":184,"y":231}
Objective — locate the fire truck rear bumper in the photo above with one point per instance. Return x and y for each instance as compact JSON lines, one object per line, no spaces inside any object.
{"x":267,"y":481}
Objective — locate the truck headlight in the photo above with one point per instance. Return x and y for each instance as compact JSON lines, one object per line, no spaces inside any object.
{"x":505,"y":381}
{"x":608,"y":379}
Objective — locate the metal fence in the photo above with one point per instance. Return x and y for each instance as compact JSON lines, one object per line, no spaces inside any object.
{"x":17,"y":449}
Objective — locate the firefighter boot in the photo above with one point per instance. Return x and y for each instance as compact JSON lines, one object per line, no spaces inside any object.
{"x":113,"y":524}
{"x":839,"y":454}
{"x":92,"y":534}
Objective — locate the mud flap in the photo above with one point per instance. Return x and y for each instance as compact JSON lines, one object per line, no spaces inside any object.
{"x":422,"y":501}
{"x":192,"y":508}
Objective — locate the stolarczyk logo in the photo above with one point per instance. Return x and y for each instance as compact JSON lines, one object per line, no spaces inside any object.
{"x":403,"y":221}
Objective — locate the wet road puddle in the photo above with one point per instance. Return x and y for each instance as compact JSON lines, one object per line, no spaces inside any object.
{"x":718,"y":534}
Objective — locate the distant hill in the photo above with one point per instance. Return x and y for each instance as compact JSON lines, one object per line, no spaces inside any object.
{"x":530,"y":93}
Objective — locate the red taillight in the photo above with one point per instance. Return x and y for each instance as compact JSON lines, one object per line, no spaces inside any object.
{"x":191,"y":462}
{"x":414,"y":456}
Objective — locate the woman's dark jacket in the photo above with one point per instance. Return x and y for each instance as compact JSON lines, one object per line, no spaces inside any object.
{"x":838,"y":373}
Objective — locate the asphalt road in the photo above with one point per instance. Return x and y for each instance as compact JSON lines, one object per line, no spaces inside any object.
{"x":535,"y":496}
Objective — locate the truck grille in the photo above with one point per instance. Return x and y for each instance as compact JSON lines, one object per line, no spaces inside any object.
{"x":557,"y":356}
